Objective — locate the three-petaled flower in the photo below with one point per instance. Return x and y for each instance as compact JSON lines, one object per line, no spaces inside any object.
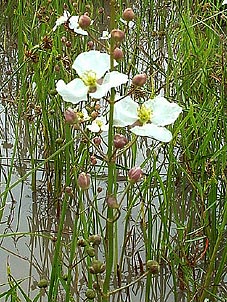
{"x":147,"y":119}
{"x":98,"y":125}
{"x":73,"y":23}
{"x":90,"y":66}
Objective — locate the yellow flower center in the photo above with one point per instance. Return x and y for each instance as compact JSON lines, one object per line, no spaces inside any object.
{"x":90,"y":79}
{"x":144,"y":114}
{"x":99,"y":123}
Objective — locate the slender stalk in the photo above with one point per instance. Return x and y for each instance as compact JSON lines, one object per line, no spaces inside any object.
{"x":213,"y":258}
{"x":109,"y":247}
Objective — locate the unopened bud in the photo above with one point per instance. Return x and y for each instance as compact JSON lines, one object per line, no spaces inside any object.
{"x":63,"y":39}
{"x":97,"y":141}
{"x":70,"y":116}
{"x":135,"y":174}
{"x":68,"y":44}
{"x":84,"y":181}
{"x":57,"y":68}
{"x":93,"y":160}
{"x":118,"y":54}
{"x":139,"y":79}
{"x":153,"y":267}
{"x":112,"y":202}
{"x":118,"y":35}
{"x":128,"y":14}
{"x":90,"y":44}
{"x":120,"y":141}
{"x":84,"y":21}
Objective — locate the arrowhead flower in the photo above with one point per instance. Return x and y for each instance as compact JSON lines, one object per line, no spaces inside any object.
{"x":90,"y":66}
{"x":147,"y":119}
{"x":61,"y":20}
{"x":73,"y":23}
{"x":98,"y":125}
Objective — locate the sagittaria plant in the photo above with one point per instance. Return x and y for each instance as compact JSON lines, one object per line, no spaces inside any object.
{"x":98,"y":80}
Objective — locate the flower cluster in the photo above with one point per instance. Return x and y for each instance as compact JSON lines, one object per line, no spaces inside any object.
{"x":95,"y":80}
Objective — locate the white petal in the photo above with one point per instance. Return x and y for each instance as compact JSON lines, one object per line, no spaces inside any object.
{"x":224,"y":2}
{"x":125,"y":112}
{"x":153,"y":131}
{"x":101,"y":90}
{"x":80,"y":31}
{"x":74,"y":92}
{"x":164,"y":113}
{"x":92,"y":60}
{"x":73,"y":22}
{"x":105,"y":35}
{"x":112,"y":79}
{"x":93,"y":127}
{"x":105,"y":127}
{"x":61,"y":20}
{"x":115,"y":78}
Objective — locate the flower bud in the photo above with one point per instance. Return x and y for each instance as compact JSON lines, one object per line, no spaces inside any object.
{"x":84,"y":21}
{"x":153,"y":267}
{"x":90,"y":44}
{"x":97,"y":141}
{"x":135,"y":174}
{"x":112,"y":202}
{"x":63,"y":39}
{"x":57,"y":68}
{"x":70,"y":116}
{"x":120,"y":141}
{"x":118,"y":54}
{"x":128,"y":14}
{"x":84,"y":181}
{"x":93,"y":160}
{"x":68,"y":44}
{"x":139,"y":79}
{"x":118,"y":35}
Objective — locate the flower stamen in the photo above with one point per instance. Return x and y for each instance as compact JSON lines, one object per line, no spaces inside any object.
{"x":144,"y":114}
{"x":90,"y":79}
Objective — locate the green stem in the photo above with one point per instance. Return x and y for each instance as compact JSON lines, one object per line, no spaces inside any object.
{"x":211,"y":267}
{"x":53,"y":289}
{"x":109,"y":247}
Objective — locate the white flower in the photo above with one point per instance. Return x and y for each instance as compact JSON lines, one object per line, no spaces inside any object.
{"x":130,"y":24}
{"x":74,"y":24}
{"x":148,"y":119}
{"x":224,"y":2}
{"x":105,"y":35}
{"x":90,"y":67}
{"x":61,"y":20}
{"x":98,"y":125}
